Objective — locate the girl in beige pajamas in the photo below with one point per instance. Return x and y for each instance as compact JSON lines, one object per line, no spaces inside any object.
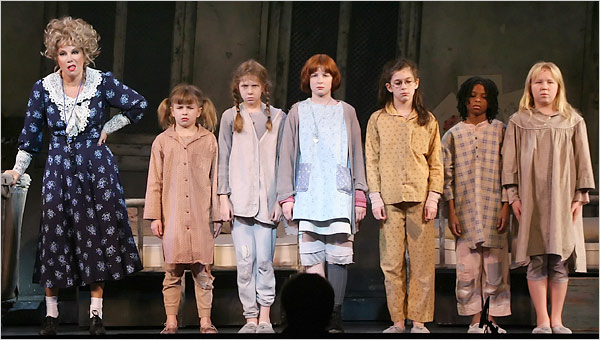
{"x":181,"y":198}
{"x":405,"y":179}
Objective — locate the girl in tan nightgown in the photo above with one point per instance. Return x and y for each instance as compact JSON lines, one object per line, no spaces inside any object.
{"x":547,"y":172}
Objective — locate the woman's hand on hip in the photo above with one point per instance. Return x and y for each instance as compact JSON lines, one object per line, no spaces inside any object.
{"x":102,"y":139}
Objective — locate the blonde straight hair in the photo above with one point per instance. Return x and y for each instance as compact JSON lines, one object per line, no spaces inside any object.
{"x":560,"y":103}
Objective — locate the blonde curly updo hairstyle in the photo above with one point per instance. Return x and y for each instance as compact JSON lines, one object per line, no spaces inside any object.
{"x":69,"y":31}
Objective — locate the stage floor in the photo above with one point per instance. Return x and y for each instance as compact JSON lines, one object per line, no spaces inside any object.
{"x":74,"y":331}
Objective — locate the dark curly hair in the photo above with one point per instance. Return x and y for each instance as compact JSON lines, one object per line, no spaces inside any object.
{"x":491,"y":92}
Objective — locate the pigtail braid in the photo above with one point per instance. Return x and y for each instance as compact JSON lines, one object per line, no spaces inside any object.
{"x":269,"y":123}
{"x":238,"y":123}
{"x":253,"y":68}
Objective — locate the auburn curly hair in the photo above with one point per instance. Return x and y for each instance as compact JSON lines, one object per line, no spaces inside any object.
{"x":69,"y":31}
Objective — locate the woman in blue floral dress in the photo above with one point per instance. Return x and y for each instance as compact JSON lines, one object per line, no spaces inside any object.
{"x":85,"y":237}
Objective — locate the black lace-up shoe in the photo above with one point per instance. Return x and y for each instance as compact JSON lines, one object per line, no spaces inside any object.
{"x":49,"y":326}
{"x":96,"y":326}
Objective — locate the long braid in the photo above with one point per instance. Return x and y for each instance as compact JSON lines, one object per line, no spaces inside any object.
{"x":250,"y":68}
{"x":238,"y":123}
{"x":269,"y":123}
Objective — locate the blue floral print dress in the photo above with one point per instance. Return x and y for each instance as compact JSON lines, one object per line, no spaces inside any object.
{"x":85,"y":234}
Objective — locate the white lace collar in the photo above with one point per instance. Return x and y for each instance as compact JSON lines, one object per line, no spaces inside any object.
{"x":77,"y":121}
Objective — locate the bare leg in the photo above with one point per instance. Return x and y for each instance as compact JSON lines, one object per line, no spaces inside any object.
{"x":205,"y":321}
{"x":97,"y":289}
{"x":400,"y":324}
{"x":318,"y":268}
{"x":538,"y":291}
{"x":265,"y":314}
{"x":558,"y":293}
{"x":51,"y":291}
{"x":476,"y":318}
{"x":171,"y":320}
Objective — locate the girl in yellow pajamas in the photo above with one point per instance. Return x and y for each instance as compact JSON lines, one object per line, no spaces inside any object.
{"x":405,"y":179}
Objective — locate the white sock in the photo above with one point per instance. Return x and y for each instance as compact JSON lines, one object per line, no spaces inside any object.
{"x":52,"y":306}
{"x":96,"y":305}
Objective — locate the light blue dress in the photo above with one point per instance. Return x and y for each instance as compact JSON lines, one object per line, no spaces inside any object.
{"x":323,"y":200}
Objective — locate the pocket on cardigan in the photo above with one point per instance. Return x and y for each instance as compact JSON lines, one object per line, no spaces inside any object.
{"x":303,"y":177}
{"x":343,"y":179}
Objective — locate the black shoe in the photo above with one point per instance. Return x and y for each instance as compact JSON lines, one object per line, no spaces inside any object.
{"x":49,"y":326}
{"x":96,"y":326}
{"x":335,"y":324}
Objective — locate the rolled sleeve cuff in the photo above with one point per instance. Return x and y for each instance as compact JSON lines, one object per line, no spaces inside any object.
{"x":376,"y":200}
{"x":360,"y":199}
{"x":432,"y":199}
{"x":582,"y":196}
{"x":513,"y":194}
{"x":289,"y":199}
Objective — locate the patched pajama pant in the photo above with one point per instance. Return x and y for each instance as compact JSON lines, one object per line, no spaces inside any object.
{"x":203,"y":286}
{"x":482,"y":272}
{"x":404,"y":227}
{"x":254,"y":244}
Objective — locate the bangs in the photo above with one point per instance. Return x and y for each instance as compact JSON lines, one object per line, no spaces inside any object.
{"x":312,"y":65}
{"x":554,"y":71}
{"x":315,"y":68}
{"x":323,"y":61}
{"x":184,"y":97}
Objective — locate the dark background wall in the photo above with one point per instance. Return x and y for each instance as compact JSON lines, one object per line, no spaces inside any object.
{"x":163,"y":43}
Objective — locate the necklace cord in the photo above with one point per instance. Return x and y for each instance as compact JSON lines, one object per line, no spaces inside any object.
{"x":316,"y":134}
